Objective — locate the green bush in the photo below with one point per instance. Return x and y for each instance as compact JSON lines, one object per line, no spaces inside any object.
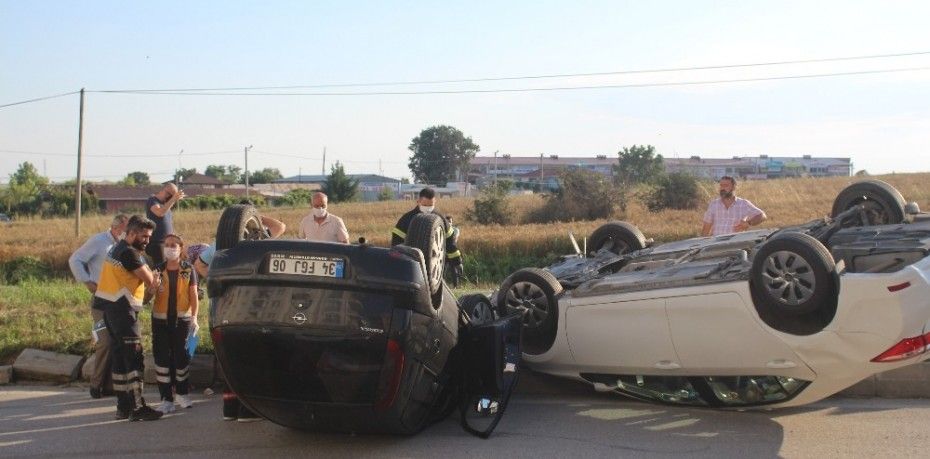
{"x":25,"y":268}
{"x":491,"y":206}
{"x":582,"y":195}
{"x":673,"y":191}
{"x":296,"y":197}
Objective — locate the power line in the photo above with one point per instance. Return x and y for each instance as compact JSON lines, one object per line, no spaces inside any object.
{"x":37,"y":99}
{"x":117,"y":156}
{"x":518,"y":90}
{"x":535,"y":77}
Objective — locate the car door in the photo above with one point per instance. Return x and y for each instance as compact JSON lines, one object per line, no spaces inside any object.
{"x":621,"y":334}
{"x":716,"y":332}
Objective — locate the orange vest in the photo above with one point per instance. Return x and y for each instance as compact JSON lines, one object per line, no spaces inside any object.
{"x":160,"y":305}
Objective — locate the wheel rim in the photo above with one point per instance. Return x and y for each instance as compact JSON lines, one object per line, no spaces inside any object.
{"x":530,"y":301}
{"x":253,"y":230}
{"x":875,"y":213}
{"x":788,"y":278}
{"x":436,"y":255}
{"x":615,"y":245}
{"x":482,"y":313}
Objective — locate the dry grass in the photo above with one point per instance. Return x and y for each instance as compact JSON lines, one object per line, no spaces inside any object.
{"x":787,"y":201}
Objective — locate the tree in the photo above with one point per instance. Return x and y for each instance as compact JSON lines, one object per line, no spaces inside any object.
{"x":638,"y":164}
{"x":228,"y":174}
{"x":136,"y":178}
{"x":27,"y":175}
{"x":184,"y":174}
{"x":582,"y":195}
{"x":438,"y":152}
{"x":22,"y":195}
{"x":677,"y":190}
{"x":266,"y":175}
{"x":492,"y":206}
{"x":339,"y":187}
{"x":296,"y":197}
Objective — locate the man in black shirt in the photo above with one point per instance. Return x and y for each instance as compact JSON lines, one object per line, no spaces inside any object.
{"x":426,"y":203}
{"x":158,"y":209}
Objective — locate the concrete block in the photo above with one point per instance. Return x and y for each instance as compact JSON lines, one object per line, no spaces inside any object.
{"x":868,"y":387}
{"x":6,"y":374}
{"x":148,"y":376}
{"x":909,"y":382}
{"x":47,"y":366}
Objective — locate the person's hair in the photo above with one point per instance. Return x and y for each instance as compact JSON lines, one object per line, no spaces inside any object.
{"x":727,"y":177}
{"x":180,"y":243}
{"x":247,"y":202}
{"x":138,"y":223}
{"x":118,"y":219}
{"x":428,"y":193}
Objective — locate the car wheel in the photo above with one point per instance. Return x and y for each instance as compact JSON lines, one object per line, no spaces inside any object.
{"x":427,"y":233}
{"x":238,"y":223}
{"x":792,"y":273}
{"x":617,"y":237}
{"x":478,"y":308}
{"x":532,"y":293}
{"x":884,"y":204}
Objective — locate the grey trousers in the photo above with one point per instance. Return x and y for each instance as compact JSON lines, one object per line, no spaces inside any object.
{"x":101,"y":375}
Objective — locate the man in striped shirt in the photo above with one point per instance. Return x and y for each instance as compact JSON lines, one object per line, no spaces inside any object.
{"x":728,"y":213}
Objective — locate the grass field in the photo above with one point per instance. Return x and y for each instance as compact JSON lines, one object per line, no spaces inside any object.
{"x":54,"y":315}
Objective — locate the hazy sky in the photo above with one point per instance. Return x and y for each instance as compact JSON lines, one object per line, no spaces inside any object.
{"x":880,"y":120}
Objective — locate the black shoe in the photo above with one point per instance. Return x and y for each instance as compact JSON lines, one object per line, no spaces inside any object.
{"x":145,"y":414}
{"x":246,"y":415}
{"x":122,"y":414}
{"x":230,"y":407}
{"x":96,"y":392}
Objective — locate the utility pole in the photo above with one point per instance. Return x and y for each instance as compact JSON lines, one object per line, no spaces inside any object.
{"x":495,"y":166}
{"x":542,"y":174}
{"x":247,"y":171}
{"x":324,"y":162}
{"x":77,"y":194}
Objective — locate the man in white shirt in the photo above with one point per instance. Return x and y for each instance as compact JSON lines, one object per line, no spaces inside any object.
{"x":320,"y":225}
{"x":729,"y":214}
{"x":86,"y":264}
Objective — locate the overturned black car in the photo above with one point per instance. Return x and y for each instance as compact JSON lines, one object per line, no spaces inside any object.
{"x":355,"y":338}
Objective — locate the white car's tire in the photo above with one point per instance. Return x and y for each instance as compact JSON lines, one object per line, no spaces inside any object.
{"x":793,"y":274}
{"x":533,"y":293}
{"x":617,"y":237}
{"x":884,"y":205}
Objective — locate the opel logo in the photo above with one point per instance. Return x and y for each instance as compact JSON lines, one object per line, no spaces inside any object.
{"x":299,"y":318}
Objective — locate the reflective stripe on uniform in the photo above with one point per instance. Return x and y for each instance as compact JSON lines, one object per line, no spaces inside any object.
{"x":397,"y":232}
{"x":456,"y":254}
{"x":450,"y":231}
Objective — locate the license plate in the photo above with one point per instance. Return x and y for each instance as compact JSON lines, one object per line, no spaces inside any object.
{"x":306,"y":265}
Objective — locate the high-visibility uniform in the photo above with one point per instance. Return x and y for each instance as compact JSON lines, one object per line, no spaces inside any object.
{"x":119,"y":295}
{"x":171,"y":326}
{"x":399,"y":235}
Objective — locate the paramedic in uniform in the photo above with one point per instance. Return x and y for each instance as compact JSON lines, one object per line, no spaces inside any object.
{"x":426,"y":203}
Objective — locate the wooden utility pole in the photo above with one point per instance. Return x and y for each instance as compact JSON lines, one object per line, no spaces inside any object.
{"x":77,"y":194}
{"x":247,"y":171}
{"x":324,"y":162}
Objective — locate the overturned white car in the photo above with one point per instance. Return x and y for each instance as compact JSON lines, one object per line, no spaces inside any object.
{"x":775,"y":317}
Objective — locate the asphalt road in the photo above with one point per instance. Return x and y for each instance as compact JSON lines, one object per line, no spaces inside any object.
{"x":65,"y":422}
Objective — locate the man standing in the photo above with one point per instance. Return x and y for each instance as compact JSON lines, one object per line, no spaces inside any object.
{"x":320,"y":225}
{"x":120,"y":293}
{"x":86,"y":263}
{"x":426,"y":203}
{"x":158,"y":209}
{"x":729,"y":214}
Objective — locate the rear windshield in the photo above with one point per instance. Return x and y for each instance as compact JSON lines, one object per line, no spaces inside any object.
{"x":324,"y":309}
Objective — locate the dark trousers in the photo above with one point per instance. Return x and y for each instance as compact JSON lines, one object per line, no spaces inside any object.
{"x":169,"y":344}
{"x":126,"y":355}
{"x":100,"y":375}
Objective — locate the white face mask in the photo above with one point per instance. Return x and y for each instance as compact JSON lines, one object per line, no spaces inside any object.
{"x":319,"y":212}
{"x":427,"y":209}
{"x":121,"y":236}
{"x":172,"y":253}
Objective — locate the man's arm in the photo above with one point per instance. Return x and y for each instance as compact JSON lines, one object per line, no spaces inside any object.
{"x":147,"y":276}
{"x":162,"y":209}
{"x":79,"y":262}
{"x":275,"y":227}
{"x":705,"y":231}
{"x":342,"y":232}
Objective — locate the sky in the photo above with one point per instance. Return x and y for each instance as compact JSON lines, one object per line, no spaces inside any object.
{"x":880,"y":120}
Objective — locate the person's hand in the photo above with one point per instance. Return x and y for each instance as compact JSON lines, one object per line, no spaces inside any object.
{"x":91,"y":287}
{"x":743,"y":225}
{"x":195,"y":325}
{"x":179,"y":195}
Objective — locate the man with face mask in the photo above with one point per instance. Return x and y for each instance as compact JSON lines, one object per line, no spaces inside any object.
{"x":121,"y":291}
{"x":320,"y":225}
{"x":728,"y":213}
{"x":158,"y":209}
{"x":86,"y":264}
{"x":426,"y":203}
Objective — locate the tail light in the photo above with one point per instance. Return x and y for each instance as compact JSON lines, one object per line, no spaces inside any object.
{"x":907,"y":348}
{"x":898,"y":287}
{"x":390,"y":375}
{"x":217,"y":335}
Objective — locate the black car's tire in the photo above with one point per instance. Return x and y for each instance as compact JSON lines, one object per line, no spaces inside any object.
{"x":478,"y":308}
{"x":238,"y":223}
{"x":884,"y":204}
{"x":427,"y":233}
{"x":792,"y":274}
{"x":618,"y":237}
{"x":533,"y":293}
